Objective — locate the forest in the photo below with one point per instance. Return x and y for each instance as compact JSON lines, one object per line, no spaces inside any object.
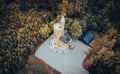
{"x":24,"y":24}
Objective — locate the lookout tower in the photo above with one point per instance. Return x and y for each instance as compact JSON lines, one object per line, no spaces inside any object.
{"x":61,"y":41}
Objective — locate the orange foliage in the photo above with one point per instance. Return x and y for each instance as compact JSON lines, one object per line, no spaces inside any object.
{"x":101,"y":49}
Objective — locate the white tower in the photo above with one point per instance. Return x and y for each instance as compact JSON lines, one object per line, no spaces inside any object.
{"x":62,"y":20}
{"x":61,"y":40}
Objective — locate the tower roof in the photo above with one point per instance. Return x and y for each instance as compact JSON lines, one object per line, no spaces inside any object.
{"x":62,"y":20}
{"x":57,"y":26}
{"x":65,"y":38}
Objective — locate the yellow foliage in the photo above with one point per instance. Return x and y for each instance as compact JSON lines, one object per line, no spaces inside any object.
{"x":76,"y":29}
{"x":44,"y":31}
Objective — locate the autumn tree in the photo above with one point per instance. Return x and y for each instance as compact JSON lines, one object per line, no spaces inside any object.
{"x":19,"y":35}
{"x":44,"y":31}
{"x":76,"y":7}
{"x":75,"y":29}
{"x":101,"y":55}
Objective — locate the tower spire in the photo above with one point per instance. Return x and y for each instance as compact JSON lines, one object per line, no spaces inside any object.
{"x":62,"y":20}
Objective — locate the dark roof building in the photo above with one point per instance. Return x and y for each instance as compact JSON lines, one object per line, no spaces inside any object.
{"x":87,"y":37}
{"x":65,"y":38}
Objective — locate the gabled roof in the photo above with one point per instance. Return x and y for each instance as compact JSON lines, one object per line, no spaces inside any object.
{"x":87,"y":37}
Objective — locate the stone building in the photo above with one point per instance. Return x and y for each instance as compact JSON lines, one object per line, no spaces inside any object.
{"x":61,"y":41}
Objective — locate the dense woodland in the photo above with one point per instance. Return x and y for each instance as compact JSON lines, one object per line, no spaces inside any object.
{"x":24,"y":24}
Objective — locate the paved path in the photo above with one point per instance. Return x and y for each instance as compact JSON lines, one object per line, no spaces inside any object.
{"x":66,"y":63}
